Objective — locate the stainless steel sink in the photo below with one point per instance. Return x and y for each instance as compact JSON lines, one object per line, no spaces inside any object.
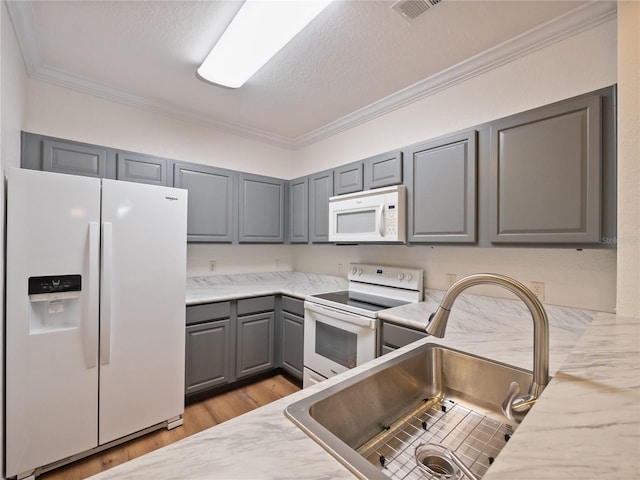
{"x":374,"y":422}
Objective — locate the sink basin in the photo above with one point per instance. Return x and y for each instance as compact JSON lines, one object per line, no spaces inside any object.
{"x":374,"y":422}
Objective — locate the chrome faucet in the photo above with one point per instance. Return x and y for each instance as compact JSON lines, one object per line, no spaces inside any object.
{"x":515,"y":406}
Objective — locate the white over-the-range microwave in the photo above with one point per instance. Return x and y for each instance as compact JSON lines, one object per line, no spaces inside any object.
{"x":377,"y":216}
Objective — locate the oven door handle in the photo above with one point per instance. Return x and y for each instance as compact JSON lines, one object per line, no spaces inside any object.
{"x":338,"y":315}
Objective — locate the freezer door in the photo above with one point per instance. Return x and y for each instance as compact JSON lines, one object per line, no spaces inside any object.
{"x":51,"y":336}
{"x":142,"y":318}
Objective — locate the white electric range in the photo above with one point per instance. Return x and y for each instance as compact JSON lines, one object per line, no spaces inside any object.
{"x":340,"y":328}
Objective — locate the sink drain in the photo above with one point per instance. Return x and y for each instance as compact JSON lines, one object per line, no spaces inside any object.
{"x":440,"y":462}
{"x":435,"y":460}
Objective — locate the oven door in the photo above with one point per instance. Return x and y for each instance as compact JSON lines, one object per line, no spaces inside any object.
{"x":335,"y":340}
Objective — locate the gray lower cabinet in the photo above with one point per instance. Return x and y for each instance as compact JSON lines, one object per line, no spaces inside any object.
{"x":292,"y":336}
{"x":546,"y":174}
{"x":348,"y":178}
{"x":298,"y":218}
{"x":208,"y":360}
{"x":212,"y":208}
{"x":394,"y":336}
{"x":209,"y":347}
{"x":261,"y":209}
{"x":320,"y":189}
{"x":383,"y":170}
{"x":134,"y":167}
{"x":255,"y":344}
{"x":441,"y":188}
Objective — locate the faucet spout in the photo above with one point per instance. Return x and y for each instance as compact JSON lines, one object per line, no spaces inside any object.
{"x":438,"y":325}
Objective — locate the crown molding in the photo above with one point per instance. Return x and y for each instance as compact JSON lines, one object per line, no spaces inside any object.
{"x":567,"y":25}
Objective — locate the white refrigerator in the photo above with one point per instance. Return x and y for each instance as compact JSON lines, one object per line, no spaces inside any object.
{"x":95,"y":313}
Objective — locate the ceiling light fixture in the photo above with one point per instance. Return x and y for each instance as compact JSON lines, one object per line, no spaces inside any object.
{"x":257,"y":32}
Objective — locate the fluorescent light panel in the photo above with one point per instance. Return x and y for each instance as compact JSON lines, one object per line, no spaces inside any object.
{"x":257,"y":32}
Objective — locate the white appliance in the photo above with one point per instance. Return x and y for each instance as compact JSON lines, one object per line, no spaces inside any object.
{"x":340,"y":328}
{"x":371,"y":216}
{"x":95,"y":315}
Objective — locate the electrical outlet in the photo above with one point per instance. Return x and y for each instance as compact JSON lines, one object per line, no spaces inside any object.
{"x":212,"y":265}
{"x":451,"y":279}
{"x":538,"y":290}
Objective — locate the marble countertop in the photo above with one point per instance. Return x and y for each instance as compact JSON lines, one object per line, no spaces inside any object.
{"x":219,"y":288}
{"x":586,"y":424}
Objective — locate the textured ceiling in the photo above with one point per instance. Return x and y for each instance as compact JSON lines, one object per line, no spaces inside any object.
{"x":353,"y":55}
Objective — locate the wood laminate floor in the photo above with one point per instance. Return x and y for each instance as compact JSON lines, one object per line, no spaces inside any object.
{"x":197,"y":417}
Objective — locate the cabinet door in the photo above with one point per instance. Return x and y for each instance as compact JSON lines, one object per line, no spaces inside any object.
{"x":261,"y":209}
{"x":441,"y":185}
{"x":141,"y":168}
{"x":208,"y":358}
{"x":76,"y":159}
{"x":348,"y":178}
{"x":299,"y":210}
{"x":546,"y":175}
{"x":320,"y":189}
{"x":383,"y":170}
{"x":255,"y":344}
{"x":211,"y":207}
{"x":292,"y":344}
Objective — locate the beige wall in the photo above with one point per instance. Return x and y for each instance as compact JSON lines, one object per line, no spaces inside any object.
{"x":576,"y":65}
{"x":12,"y":100}
{"x":579,"y":64}
{"x":628,"y":293}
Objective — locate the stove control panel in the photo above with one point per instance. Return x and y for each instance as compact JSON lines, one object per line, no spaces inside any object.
{"x":399,"y":277}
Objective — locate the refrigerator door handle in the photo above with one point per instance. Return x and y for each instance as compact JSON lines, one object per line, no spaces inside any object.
{"x":105,"y":304}
{"x":90,"y":320}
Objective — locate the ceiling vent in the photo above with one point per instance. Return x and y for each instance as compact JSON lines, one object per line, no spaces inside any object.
{"x":412,"y":9}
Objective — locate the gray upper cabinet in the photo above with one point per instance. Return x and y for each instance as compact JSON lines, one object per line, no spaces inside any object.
{"x":261,"y":209}
{"x":441,"y":187}
{"x":134,"y":167}
{"x":383,"y":170}
{"x":74,"y":158}
{"x":211,"y":202}
{"x":298,"y":230}
{"x":348,"y":178}
{"x":320,"y":189}
{"x":546,"y":175}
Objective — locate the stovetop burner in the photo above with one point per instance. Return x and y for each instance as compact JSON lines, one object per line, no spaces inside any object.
{"x":363,"y":301}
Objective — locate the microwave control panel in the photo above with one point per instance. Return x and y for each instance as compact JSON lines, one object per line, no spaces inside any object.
{"x":390,"y":220}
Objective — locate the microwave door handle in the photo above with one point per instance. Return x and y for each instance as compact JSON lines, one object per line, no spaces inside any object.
{"x":381,"y":220}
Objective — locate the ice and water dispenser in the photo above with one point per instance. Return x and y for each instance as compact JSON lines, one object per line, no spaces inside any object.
{"x":55,"y":303}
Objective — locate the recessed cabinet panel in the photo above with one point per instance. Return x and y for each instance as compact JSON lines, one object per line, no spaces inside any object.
{"x":320,"y":189}
{"x":546,"y":175}
{"x":141,"y":169}
{"x":348,"y":178}
{"x":299,"y":210}
{"x":261,"y":209}
{"x":292,"y":343}
{"x":255,"y":348}
{"x":211,"y":206}
{"x":208,"y":362}
{"x":63,"y":157}
{"x":442,"y":190}
{"x":383,"y":170}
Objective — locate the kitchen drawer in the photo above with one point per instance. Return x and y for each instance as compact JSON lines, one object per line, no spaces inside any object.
{"x":256,"y":305}
{"x":208,"y":311}
{"x":398,"y":336}
{"x":293,"y":305}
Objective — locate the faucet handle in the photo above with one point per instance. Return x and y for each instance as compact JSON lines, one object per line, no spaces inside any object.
{"x":516,"y":406}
